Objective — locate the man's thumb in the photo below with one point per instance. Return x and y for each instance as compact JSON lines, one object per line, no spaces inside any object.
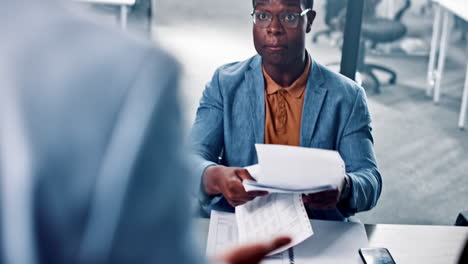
{"x":243,"y":174}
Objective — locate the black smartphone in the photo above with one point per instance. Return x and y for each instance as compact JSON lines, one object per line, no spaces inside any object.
{"x":376,"y":256}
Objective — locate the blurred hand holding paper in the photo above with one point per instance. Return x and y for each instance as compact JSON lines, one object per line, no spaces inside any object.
{"x":274,"y":215}
{"x":288,"y":169}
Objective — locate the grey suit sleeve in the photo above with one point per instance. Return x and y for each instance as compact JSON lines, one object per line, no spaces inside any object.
{"x":155,"y":221}
{"x":207,"y":138}
{"x":356,"y":149}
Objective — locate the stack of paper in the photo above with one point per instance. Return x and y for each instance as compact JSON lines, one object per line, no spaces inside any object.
{"x":288,"y":169}
{"x":255,"y":186}
{"x":286,"y":173}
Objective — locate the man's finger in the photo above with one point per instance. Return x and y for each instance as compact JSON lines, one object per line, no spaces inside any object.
{"x":237,"y":201}
{"x":238,"y":192}
{"x":234,"y":186}
{"x":243,"y":174}
{"x":235,"y":204}
{"x":241,"y":201}
{"x":257,"y":193}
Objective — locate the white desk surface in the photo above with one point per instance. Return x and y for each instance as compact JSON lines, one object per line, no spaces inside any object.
{"x":110,"y":2}
{"x":408,"y":244}
{"x":419,"y":243}
{"x":458,"y":7}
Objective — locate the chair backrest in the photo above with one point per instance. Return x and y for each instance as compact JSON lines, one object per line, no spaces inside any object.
{"x":333,"y":9}
{"x":370,"y":7}
{"x":462,"y":219}
{"x":402,"y":11}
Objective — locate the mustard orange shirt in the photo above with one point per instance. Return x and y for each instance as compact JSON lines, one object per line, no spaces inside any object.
{"x":283,"y":109}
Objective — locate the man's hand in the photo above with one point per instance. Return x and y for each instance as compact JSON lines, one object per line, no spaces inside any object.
{"x":324,"y":200}
{"x":228,"y":181}
{"x":253,"y":254}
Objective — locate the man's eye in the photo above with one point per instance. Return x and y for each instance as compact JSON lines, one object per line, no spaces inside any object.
{"x":289,"y":17}
{"x":262,"y":16}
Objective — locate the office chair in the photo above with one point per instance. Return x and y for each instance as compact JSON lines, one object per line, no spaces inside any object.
{"x":377,"y":30}
{"x":462,"y":219}
{"x":464,"y":254}
{"x":334,"y":10}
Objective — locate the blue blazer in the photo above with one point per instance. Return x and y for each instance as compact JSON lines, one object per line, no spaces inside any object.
{"x":231,"y":119}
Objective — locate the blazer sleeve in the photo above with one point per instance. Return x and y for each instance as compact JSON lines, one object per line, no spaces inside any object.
{"x":356,"y":149}
{"x":207,"y":137}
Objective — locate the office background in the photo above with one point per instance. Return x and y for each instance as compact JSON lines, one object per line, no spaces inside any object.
{"x":422,"y":155}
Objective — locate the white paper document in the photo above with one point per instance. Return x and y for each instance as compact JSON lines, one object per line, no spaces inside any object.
{"x":332,"y":242}
{"x":255,"y":186}
{"x":273,"y":215}
{"x":289,"y":169}
{"x":222,"y":234}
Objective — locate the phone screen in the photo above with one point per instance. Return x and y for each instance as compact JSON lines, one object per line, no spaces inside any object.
{"x":376,"y":256}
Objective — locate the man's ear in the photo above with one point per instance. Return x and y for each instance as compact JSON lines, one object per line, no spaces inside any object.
{"x":310,"y":20}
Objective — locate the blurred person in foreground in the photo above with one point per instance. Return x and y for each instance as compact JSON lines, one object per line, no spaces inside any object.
{"x":283,"y":96}
{"x":91,"y":166}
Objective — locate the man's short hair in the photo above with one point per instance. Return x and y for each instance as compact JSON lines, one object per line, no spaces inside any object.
{"x":306,"y":3}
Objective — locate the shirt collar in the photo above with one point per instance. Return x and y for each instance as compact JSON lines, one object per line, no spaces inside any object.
{"x":296,"y":89}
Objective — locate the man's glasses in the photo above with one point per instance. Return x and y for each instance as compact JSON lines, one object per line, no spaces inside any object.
{"x":287,"y":19}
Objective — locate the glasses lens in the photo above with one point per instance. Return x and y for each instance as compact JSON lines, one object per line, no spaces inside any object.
{"x":289,"y":20}
{"x":262,"y":18}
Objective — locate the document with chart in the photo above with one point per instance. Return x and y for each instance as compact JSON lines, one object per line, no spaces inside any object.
{"x":332,"y":242}
{"x":273,"y":215}
{"x":223,"y":236}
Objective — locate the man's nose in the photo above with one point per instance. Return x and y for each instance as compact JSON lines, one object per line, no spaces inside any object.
{"x":275,"y":27}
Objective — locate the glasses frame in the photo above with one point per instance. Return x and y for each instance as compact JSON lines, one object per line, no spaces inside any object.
{"x":299,"y":15}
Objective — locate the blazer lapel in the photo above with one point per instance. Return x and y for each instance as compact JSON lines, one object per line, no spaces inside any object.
{"x":256,"y":90}
{"x":313,"y":101}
